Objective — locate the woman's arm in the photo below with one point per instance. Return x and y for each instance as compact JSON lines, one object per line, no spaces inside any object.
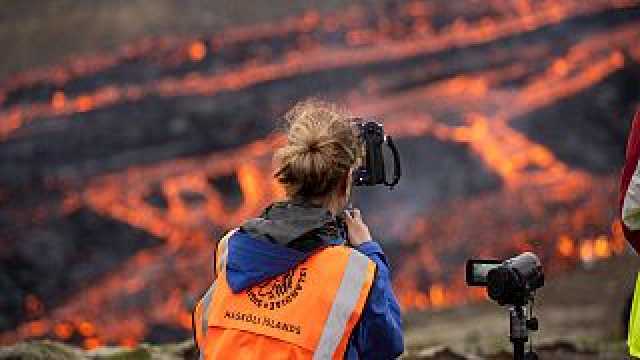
{"x":379,"y":332}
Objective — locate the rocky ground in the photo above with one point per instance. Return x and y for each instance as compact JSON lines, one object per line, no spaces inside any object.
{"x":185,"y":350}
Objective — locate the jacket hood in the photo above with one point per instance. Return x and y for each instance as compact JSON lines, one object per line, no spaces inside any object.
{"x":294,"y":224}
{"x":282,"y":237}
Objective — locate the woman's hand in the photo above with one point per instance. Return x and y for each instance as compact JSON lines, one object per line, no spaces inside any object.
{"x":357,"y":229}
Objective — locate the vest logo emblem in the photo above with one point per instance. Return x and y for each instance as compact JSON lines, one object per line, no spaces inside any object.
{"x":280,"y":291}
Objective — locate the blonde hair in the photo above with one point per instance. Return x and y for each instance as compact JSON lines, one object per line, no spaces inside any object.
{"x":321,"y":149}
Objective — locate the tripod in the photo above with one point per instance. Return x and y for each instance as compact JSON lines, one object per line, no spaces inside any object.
{"x":519,"y":327}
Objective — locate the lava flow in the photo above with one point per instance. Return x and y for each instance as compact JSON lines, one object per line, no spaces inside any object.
{"x":510,"y":117}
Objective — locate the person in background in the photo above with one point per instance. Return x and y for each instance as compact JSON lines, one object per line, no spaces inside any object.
{"x":629,"y":205}
{"x":629,"y":199}
{"x":288,"y":285}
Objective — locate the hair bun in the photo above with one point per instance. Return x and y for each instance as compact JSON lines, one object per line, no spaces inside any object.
{"x":321,"y":149}
{"x":312,"y":146}
{"x":315,"y":144}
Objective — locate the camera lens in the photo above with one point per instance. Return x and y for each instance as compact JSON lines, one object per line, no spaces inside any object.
{"x":498,"y":281}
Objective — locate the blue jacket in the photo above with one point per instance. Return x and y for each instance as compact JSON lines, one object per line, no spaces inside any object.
{"x":378,"y":334}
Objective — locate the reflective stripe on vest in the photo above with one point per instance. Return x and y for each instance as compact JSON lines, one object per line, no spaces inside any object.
{"x":308,"y":312}
{"x":222,"y":252}
{"x":343,"y":305}
{"x":206,"y":301}
{"x":201,"y":317}
{"x":201,"y":312}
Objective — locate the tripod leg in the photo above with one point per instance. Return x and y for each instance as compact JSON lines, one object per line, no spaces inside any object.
{"x":518,"y":333}
{"x":518,"y":350}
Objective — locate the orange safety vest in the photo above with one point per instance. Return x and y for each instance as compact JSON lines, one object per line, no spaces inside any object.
{"x":308,"y":312}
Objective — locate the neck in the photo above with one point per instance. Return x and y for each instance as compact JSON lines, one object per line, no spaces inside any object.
{"x":333,"y":209}
{"x":329,"y":203}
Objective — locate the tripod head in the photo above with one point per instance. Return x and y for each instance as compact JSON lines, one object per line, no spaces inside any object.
{"x":512,"y":283}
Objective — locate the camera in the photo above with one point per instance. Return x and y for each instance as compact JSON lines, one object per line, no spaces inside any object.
{"x":512,"y":282}
{"x":372,"y":168}
{"x":509,"y":282}
{"x":372,"y":171}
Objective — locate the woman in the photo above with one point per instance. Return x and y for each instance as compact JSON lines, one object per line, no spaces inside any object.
{"x":288,"y":286}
